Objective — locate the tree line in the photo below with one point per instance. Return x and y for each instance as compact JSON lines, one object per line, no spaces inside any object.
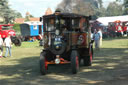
{"x":94,"y":8}
{"x":125,"y":6}
{"x":6,"y":13}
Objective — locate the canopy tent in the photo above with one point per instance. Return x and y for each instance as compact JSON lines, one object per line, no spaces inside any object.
{"x":106,"y":20}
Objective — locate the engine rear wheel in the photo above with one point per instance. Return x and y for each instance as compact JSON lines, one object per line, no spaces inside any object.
{"x":88,"y":59}
{"x":74,"y":62}
{"x":43,"y":63}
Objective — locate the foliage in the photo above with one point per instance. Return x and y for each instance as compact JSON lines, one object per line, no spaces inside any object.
{"x":7,"y":13}
{"x":85,"y":7}
{"x":100,"y":3}
{"x":126,"y":6}
{"x":91,"y":7}
{"x":66,"y":6}
{"x":28,"y":16}
{"x":16,"y":27}
{"x":18,"y":15}
{"x":31,"y":15}
{"x":114,"y":9}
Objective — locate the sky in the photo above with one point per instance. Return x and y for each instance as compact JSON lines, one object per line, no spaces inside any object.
{"x":38,"y":7}
{"x":35,"y":7}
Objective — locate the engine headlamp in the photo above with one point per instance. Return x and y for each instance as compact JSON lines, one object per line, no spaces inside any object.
{"x":57,"y":46}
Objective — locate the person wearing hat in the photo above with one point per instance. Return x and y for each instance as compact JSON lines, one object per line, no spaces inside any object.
{"x":8,"y":43}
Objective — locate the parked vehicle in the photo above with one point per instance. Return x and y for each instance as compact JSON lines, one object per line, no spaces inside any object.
{"x":31,"y":30}
{"x":125,"y":27}
{"x":67,"y":39}
{"x":7,"y":29}
{"x":112,"y":31}
{"x":117,"y":28}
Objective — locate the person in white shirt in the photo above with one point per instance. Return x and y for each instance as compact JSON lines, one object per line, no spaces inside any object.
{"x":8,"y":43}
{"x":96,"y":37}
{"x":1,"y":46}
{"x":100,"y":32}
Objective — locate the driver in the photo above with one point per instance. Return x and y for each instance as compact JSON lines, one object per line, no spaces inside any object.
{"x":51,"y":25}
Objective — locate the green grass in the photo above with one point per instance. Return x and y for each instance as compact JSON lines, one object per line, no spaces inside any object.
{"x":23,"y":67}
{"x":27,"y":44}
{"x":16,"y":27}
{"x":26,"y":50}
{"x":115,"y":43}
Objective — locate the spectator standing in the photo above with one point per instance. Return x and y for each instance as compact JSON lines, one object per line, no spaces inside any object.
{"x":8,"y":43}
{"x":100,"y":32}
{"x":127,"y":30}
{"x":1,"y":46}
{"x":96,"y":38}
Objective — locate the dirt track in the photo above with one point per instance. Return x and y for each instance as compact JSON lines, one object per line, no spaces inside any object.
{"x":110,"y":67}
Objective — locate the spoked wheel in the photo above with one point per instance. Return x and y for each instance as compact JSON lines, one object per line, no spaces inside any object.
{"x":43,"y":63}
{"x":74,"y":61}
{"x":88,"y":59}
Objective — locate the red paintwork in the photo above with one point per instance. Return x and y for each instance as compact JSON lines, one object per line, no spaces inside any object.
{"x":77,"y":62}
{"x":46,"y":65}
{"x":115,"y":26}
{"x":119,"y":30}
{"x":125,"y":26}
{"x":5,"y":33}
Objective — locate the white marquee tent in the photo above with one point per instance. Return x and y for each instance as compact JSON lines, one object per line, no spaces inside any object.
{"x":106,"y":20}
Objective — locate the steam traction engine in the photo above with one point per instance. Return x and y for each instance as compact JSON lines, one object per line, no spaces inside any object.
{"x":67,"y":39}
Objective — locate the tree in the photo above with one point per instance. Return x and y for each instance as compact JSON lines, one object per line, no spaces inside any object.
{"x":125,"y":6}
{"x":94,"y":3}
{"x":77,"y":6}
{"x":27,"y":17}
{"x":100,"y":2}
{"x":83,"y":8}
{"x":7,"y":13}
{"x":91,"y":7}
{"x":2,"y":6}
{"x":114,"y":9}
{"x":100,"y":11}
{"x":31,"y":16}
{"x":18,"y":15}
{"x":66,"y":6}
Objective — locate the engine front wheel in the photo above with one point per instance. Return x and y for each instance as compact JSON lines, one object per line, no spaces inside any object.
{"x":74,"y":62}
{"x":43,"y":63}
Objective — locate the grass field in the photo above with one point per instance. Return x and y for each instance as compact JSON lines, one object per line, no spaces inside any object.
{"x":109,"y":64}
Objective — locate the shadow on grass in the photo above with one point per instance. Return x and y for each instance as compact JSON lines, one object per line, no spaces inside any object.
{"x":107,"y":64}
